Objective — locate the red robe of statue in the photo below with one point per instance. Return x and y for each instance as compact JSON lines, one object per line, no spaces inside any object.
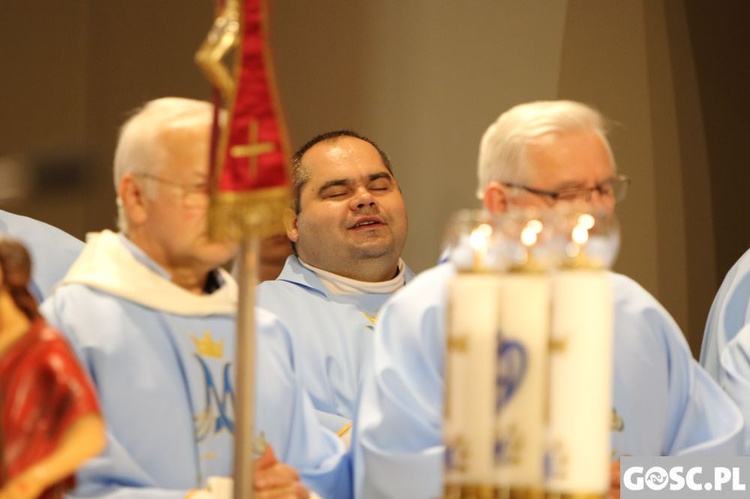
{"x":43,"y":390}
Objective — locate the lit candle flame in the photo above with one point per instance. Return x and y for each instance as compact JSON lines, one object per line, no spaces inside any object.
{"x":530,"y":232}
{"x":580,"y":235}
{"x":586,"y":220}
{"x":479,"y":240}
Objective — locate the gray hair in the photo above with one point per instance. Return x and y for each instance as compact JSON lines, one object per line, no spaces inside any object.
{"x":140,"y":147}
{"x":502,"y":152}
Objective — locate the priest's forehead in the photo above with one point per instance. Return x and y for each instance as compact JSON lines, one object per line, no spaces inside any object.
{"x":183,"y":150}
{"x":141,"y":145}
{"x":502,"y":152}
{"x":301,"y":174}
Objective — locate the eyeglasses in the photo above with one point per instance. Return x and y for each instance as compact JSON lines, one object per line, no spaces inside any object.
{"x":615,"y":188}
{"x":193,"y":195}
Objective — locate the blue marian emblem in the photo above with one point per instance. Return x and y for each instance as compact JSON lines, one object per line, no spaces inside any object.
{"x":217,"y":413}
{"x":512,"y":363}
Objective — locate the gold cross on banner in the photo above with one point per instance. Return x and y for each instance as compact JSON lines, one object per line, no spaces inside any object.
{"x":253,"y":148}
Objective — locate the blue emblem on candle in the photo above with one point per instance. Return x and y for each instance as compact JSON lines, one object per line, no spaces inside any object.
{"x":512,"y":363}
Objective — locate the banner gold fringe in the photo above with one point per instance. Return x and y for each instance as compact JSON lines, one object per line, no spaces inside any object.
{"x":236,"y":215}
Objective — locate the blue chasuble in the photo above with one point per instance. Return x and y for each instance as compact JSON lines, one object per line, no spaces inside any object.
{"x":162,"y":361}
{"x":52,"y":250}
{"x":726,"y":341}
{"x":664,"y":403}
{"x":332,"y":336}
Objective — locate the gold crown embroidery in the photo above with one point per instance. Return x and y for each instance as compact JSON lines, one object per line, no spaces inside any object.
{"x":259,"y":444}
{"x":207,"y":347}
{"x":617,"y":424}
{"x":373,"y":319}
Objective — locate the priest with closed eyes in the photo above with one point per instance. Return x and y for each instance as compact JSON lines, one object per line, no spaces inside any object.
{"x":348,"y":228}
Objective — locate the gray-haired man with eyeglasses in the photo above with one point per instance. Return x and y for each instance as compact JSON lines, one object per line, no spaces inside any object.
{"x":542,"y":153}
{"x":151,"y":315}
{"x":535,"y":154}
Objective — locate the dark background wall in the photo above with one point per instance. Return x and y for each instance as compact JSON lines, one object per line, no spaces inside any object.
{"x":720,"y":41}
{"x":424,"y":78}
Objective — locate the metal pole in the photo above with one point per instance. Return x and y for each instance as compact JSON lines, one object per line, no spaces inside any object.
{"x":244,"y":422}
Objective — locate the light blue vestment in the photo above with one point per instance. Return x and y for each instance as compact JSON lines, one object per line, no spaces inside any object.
{"x":726,"y":341}
{"x":52,"y":250}
{"x":729,"y":312}
{"x":165,"y":380}
{"x":332,"y":335}
{"x":666,"y":403}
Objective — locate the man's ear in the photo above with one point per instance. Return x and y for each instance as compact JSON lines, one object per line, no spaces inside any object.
{"x":496,"y":198}
{"x":290,"y":223}
{"x":133,"y":200}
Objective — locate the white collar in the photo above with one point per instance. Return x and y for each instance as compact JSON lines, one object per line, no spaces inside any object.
{"x":340,"y":285}
{"x":107,"y":265}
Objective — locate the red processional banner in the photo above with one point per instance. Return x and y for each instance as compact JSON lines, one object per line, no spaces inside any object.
{"x":250,"y":149}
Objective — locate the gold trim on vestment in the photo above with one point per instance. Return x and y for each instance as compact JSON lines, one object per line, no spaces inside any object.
{"x":344,"y":429}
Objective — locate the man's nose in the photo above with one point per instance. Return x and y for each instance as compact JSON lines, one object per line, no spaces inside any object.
{"x":362,"y":198}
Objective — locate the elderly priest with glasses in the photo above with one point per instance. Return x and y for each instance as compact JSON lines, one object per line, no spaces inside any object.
{"x":151,"y":315}
{"x":535,"y":154}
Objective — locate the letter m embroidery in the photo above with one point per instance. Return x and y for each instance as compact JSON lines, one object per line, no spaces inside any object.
{"x":218,"y":409}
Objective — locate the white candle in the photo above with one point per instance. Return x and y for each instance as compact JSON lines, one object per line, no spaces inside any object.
{"x":580,"y":382}
{"x":523,"y":310}
{"x":471,"y":374}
